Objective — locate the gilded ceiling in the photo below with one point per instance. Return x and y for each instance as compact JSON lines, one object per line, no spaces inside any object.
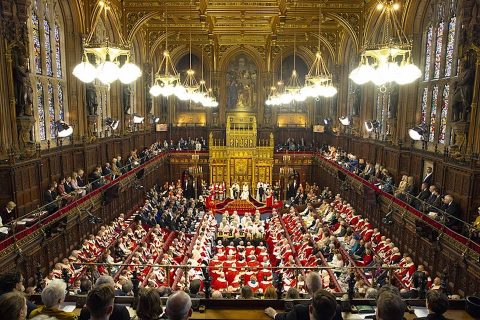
{"x":260,"y":23}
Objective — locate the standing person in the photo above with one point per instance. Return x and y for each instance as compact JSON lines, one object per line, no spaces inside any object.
{"x":428,"y":178}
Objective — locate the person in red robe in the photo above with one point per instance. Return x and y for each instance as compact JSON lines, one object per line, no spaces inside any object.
{"x":220,"y":283}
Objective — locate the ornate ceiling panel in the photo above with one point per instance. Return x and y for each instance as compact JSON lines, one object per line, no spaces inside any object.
{"x":237,"y":22}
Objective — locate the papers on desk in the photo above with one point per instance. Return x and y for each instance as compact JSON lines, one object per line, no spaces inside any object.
{"x":420,"y":312}
{"x":4,"y":230}
{"x":356,"y":316}
{"x":67,"y":306}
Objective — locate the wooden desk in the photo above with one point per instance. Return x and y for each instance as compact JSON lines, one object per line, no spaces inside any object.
{"x":232,"y":314}
{"x":243,"y":314}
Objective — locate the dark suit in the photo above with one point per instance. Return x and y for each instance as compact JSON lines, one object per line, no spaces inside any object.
{"x":300,"y":312}
{"x":95,"y":180}
{"x":6,"y":216}
{"x":434,"y":201}
{"x":424,"y":195}
{"x":119,"y":313}
{"x":453,"y":210}
{"x":80,"y":182}
{"x":49,"y":197}
{"x":428,"y":179}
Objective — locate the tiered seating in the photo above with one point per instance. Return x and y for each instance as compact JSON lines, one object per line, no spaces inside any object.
{"x":361,"y":244}
{"x":200,"y":252}
{"x":239,"y":263}
{"x":93,"y":249}
{"x":178,"y":281}
{"x":281,"y":251}
{"x":304,"y":246}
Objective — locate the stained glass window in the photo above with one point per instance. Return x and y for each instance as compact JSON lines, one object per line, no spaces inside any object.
{"x":433,"y":113}
{"x":41,"y":112}
{"x":61,"y":106}
{"x":450,"y":46}
{"x":424,"y":105}
{"x":51,"y":110}
{"x":441,"y":33}
{"x":37,"y":48}
{"x":48,"y":48}
{"x":438,"y":51}
{"x":443,"y":114}
{"x":58,"y":54}
{"x":428,"y":52}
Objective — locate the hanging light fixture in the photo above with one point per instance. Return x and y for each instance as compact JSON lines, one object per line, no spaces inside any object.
{"x":190,"y":83}
{"x":346,"y":121}
{"x":372,"y":125}
{"x":112,"y":123}
{"x":419,"y":132}
{"x":293,"y":87}
{"x":208,"y":98}
{"x":108,"y":57}
{"x":167,"y":79}
{"x":63,"y":129}
{"x":277,"y":91}
{"x":273,"y":90}
{"x":391,"y":59}
{"x":318,"y":81}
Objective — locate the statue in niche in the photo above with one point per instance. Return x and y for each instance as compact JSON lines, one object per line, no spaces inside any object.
{"x":392,"y":107}
{"x":126,"y":94}
{"x":232,"y":94}
{"x":357,"y":97}
{"x":462,"y":94}
{"x":23,"y":95}
{"x":91,"y":96}
{"x":241,"y":83}
{"x":148,"y":101}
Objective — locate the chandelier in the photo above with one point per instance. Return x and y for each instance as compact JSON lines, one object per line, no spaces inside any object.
{"x":318,"y":81}
{"x":167,"y":79}
{"x":276,"y":92}
{"x":390,"y":60}
{"x":190,"y":83}
{"x":108,"y":59}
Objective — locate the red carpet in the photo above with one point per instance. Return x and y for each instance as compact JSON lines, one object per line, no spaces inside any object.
{"x":242,"y":206}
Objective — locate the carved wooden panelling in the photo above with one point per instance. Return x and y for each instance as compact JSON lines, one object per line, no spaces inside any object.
{"x":404,"y":164}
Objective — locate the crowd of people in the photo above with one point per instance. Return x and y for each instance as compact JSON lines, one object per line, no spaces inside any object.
{"x":197,"y":144}
{"x":292,"y":145}
{"x":425,"y":197}
{"x":170,"y":230}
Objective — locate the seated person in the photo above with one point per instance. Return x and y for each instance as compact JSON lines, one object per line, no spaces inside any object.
{"x":95,"y":178}
{"x":66,"y":197}
{"x":52,"y":297}
{"x":50,"y":199}
{"x":437,"y":305}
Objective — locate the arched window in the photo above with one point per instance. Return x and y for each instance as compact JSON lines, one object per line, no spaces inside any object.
{"x":46,"y":51}
{"x":440,"y":69}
